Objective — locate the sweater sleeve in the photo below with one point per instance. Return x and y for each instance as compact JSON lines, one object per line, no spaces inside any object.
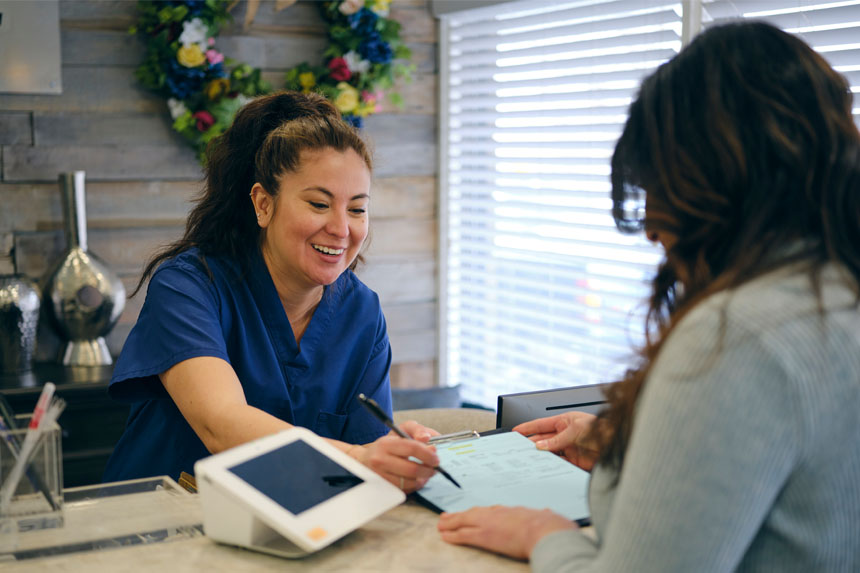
{"x":716,"y":435}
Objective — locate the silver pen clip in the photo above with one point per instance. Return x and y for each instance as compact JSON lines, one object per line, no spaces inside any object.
{"x":456,"y":436}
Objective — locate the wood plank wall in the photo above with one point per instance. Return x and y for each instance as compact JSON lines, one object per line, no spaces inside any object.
{"x":141,"y":176}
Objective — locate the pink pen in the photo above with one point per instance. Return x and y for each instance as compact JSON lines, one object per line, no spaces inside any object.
{"x":30,"y":439}
{"x":42,"y":404}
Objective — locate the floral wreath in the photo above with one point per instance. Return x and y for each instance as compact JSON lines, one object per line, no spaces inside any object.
{"x":359,"y":64}
{"x":204,"y":90}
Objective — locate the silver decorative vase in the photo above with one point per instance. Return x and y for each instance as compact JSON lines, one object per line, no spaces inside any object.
{"x":85,"y":298}
{"x":19,"y":323}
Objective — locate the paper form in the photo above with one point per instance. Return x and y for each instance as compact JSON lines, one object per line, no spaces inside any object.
{"x":507,"y":469}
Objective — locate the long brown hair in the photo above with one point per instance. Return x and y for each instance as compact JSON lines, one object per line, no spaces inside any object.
{"x":744,"y":145}
{"x":264,"y":142}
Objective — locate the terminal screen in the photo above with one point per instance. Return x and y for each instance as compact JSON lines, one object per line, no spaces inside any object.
{"x":296,"y":476}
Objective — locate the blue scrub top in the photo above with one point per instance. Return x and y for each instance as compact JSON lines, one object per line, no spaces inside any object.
{"x":239,"y":318}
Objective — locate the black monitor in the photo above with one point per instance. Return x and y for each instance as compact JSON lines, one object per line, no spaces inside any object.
{"x":513,"y":409}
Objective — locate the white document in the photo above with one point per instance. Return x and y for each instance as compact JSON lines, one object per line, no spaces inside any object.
{"x":507,"y":469}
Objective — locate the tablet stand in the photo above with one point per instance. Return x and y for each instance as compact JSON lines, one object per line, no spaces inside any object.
{"x":228,"y":520}
{"x":289,"y":494}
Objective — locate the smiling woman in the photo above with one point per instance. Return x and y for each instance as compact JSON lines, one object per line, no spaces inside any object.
{"x":313,"y":227}
{"x":253,"y":321}
{"x":319,"y":222}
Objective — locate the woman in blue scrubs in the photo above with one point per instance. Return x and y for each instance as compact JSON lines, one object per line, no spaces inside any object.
{"x":254,"y":321}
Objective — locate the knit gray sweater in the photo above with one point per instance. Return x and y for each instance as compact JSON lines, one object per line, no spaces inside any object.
{"x":745,"y":451}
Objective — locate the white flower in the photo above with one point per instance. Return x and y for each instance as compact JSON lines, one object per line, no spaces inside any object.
{"x":350,"y":6}
{"x":177,"y":108}
{"x":194,"y":32}
{"x":355,"y":63}
{"x":243,"y":99}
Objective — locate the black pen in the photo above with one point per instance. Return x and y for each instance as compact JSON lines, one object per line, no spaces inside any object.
{"x":380,"y":414}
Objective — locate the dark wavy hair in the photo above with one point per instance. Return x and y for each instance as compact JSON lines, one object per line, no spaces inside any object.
{"x":265,"y":141}
{"x":745,"y":149}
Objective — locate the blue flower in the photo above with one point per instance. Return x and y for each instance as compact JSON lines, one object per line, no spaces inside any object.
{"x":217,"y":70}
{"x":194,"y":6}
{"x":354,"y":120}
{"x":182,"y":81}
{"x":376,"y":50}
{"x":363,"y":22}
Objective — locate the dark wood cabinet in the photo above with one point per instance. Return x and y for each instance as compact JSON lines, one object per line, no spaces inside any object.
{"x":91,"y":423}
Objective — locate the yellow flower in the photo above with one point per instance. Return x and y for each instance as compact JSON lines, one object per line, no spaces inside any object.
{"x":381,"y":7}
{"x":347,"y":99}
{"x":365,"y":109}
{"x":190,"y":56}
{"x":217,"y":87}
{"x":307,"y":80}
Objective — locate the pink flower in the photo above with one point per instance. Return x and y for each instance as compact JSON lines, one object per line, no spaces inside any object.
{"x":370,"y":98}
{"x":339,"y":70}
{"x":211,"y":41}
{"x":205,"y":120}
{"x":214,"y":57}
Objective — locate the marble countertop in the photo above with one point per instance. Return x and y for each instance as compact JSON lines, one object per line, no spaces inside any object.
{"x":403,"y":539}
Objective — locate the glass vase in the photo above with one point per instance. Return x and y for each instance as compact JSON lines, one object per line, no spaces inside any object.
{"x":19,"y":323}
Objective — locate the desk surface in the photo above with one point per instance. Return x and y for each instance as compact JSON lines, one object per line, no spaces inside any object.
{"x":403,"y":539}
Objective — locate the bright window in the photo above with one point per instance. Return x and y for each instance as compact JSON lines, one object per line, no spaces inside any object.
{"x":539,"y":290}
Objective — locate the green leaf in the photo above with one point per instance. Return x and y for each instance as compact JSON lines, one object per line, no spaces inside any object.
{"x":333,"y":51}
{"x":179,"y":13}
{"x":292,"y":76}
{"x":404,"y":71}
{"x":225,"y":110}
{"x":211,"y":133}
{"x":389,"y":29}
{"x":165,"y":15}
{"x":183,"y":122}
{"x":402,"y":53}
{"x":396,"y":99}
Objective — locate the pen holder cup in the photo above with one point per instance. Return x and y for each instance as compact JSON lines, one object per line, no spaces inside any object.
{"x":36,"y":501}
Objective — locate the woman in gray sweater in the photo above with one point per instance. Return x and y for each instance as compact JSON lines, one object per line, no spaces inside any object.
{"x":734,"y":443}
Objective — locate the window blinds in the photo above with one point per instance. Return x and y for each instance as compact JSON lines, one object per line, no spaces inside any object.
{"x":539,"y":288}
{"x":831,"y":28}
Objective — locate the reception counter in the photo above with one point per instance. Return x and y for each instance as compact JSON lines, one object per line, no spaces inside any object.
{"x":154,"y":525}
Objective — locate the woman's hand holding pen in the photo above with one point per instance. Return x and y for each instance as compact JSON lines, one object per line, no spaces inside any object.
{"x":565,"y":434}
{"x":389,"y":456}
